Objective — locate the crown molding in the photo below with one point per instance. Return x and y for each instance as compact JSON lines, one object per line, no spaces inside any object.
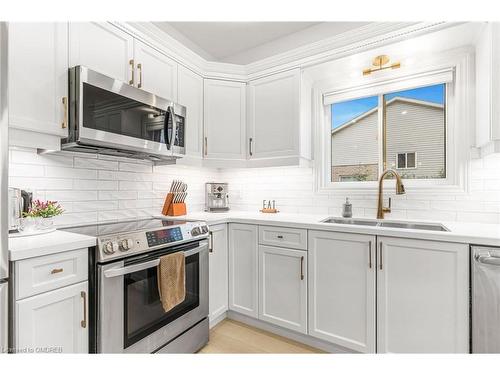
{"x":354,"y":41}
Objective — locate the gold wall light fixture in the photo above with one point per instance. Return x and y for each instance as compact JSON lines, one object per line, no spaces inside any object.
{"x":381,"y":63}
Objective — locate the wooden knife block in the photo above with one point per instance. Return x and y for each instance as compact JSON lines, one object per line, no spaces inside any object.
{"x":173,"y":209}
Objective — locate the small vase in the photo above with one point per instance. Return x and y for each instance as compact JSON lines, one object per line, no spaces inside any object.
{"x":45,"y":223}
{"x":29,"y":224}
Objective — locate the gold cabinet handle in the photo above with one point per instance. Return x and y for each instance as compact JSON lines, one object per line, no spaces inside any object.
{"x":56,"y":270}
{"x":131,"y":63}
{"x":370,"y":254}
{"x":380,"y":253}
{"x":83,"y":323}
{"x":64,"y":124}
{"x":302,"y":267}
{"x":206,"y":146}
{"x":139,"y":67}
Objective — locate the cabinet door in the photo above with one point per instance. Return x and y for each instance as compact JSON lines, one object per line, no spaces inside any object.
{"x":342,"y":289}
{"x":274,"y":115}
{"x":55,"y":320}
{"x":283,"y":287}
{"x":190,"y":95}
{"x":243,"y":269}
{"x":218,"y":266}
{"x":102,"y":47}
{"x":224,"y":120}
{"x":38,"y":76}
{"x":422,"y":296}
{"x":156,"y":73}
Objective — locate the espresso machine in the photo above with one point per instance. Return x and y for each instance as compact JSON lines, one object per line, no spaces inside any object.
{"x":216,"y":196}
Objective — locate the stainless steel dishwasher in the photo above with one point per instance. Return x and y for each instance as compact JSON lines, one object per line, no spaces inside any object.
{"x":485,"y":299}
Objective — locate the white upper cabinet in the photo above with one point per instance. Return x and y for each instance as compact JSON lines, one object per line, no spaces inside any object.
{"x":283,"y":287}
{"x":488,"y":89}
{"x":243,"y":269}
{"x":274,"y":116}
{"x":190,"y":95}
{"x":422,"y":296}
{"x":156,"y":73}
{"x":224,"y":120}
{"x":104,"y":48}
{"x":218,"y":272}
{"x":38,"y":78}
{"x":342,"y":289}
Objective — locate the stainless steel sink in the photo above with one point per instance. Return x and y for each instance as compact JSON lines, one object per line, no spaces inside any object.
{"x":418,"y":226}
{"x":341,"y":220}
{"x":387,"y":224}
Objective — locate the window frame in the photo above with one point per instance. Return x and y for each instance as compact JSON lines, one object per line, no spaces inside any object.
{"x":458,"y":117}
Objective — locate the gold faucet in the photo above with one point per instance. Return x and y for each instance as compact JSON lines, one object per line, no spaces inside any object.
{"x":400,"y":189}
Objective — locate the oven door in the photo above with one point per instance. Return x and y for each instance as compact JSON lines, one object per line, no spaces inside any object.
{"x":131,"y":318}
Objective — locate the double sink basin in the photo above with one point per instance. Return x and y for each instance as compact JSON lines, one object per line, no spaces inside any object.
{"x":387,"y":224}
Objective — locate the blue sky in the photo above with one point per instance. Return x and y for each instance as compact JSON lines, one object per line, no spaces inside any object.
{"x":346,"y":111}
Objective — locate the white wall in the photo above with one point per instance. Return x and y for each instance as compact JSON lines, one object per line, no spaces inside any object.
{"x":292,"y":188}
{"x":95,"y":188}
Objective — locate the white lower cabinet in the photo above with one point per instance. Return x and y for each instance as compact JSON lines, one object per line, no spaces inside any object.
{"x":342,"y":289}
{"x":422,"y":296}
{"x":283,"y":287}
{"x":243,"y":269}
{"x":54,"y":321}
{"x":218,"y":271}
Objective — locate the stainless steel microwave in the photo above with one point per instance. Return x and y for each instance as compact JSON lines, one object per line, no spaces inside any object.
{"x":110,"y":117}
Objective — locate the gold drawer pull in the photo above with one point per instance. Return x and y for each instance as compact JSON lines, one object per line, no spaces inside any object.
{"x":56,"y":270}
{"x":83,"y":323}
{"x":64,"y":124}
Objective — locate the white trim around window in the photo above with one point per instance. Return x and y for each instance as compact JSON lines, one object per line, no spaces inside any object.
{"x":459,"y":120}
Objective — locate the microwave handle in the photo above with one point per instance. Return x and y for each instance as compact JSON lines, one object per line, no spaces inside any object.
{"x":169,"y":136}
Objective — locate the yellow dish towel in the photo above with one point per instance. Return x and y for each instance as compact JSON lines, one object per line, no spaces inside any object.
{"x":171,"y":280}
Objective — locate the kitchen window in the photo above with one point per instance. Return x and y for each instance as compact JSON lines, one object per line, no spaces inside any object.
{"x":372,"y":133}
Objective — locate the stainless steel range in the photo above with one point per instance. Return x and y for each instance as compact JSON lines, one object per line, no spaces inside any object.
{"x":126,"y":314}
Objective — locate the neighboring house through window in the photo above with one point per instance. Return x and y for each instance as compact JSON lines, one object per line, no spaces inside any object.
{"x":374,"y":133}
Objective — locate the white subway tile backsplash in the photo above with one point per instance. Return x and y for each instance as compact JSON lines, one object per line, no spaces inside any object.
{"x":133,"y":185}
{"x":100,"y":188}
{"x":81,"y":162}
{"x":51,"y":171}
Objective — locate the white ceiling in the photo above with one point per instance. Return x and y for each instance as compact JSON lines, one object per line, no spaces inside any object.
{"x":246,"y":42}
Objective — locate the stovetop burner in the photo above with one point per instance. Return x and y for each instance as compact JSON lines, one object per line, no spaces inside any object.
{"x":126,"y":238}
{"x":103,"y":229}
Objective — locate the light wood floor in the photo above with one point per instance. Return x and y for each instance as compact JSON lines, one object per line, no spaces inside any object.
{"x":231,"y":337}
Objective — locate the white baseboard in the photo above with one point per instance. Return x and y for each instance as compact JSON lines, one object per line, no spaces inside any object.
{"x":299,"y":337}
{"x":217,"y":319}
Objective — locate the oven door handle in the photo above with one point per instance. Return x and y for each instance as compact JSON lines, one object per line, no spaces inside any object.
{"x":203,"y":245}
{"x":113,"y":272}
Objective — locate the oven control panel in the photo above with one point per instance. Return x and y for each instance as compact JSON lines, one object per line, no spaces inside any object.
{"x":163,"y":236}
{"x":122,"y":245}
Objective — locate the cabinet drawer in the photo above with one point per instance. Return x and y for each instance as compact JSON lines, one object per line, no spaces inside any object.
{"x":41,"y":274}
{"x":293,"y":238}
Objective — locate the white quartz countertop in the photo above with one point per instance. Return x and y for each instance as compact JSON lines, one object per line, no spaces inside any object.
{"x":60,"y":241}
{"x":49,"y":243}
{"x":471,"y":233}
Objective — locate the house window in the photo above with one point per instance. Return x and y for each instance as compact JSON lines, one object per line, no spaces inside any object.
{"x":370,"y":134}
{"x":406,"y":160}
